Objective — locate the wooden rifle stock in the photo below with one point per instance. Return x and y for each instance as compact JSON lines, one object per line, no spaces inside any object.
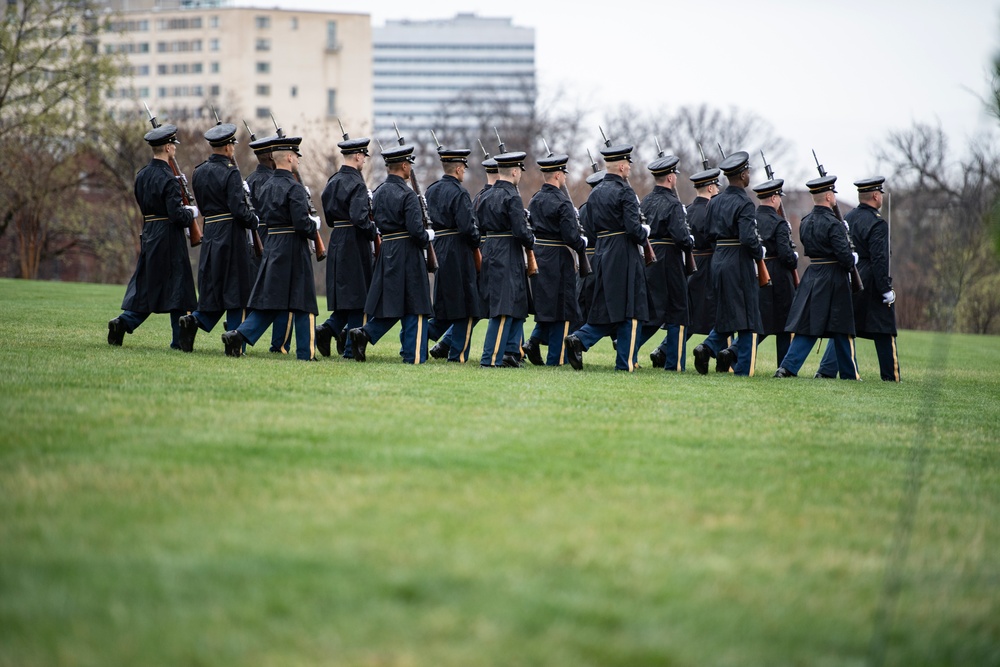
{"x":431,"y":256}
{"x":690,"y":266}
{"x":188,"y":200}
{"x":477,"y":258}
{"x":763,"y":275}
{"x":318,"y":247}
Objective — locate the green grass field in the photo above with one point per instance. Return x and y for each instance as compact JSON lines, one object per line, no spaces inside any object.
{"x":161,"y":508}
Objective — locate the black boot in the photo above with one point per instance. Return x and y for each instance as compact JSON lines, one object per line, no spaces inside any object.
{"x":702,"y":354}
{"x":324,"y":335}
{"x":532,"y":353}
{"x":116,"y":332}
{"x":234,"y":342}
{"x":574,"y":352}
{"x":188,"y":326}
{"x":359,"y":343}
{"x":658,"y":357}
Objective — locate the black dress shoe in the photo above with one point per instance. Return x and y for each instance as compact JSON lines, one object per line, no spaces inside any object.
{"x":116,"y":332}
{"x":701,"y":356}
{"x":359,"y":343}
{"x":233,"y":342}
{"x":658,"y":357}
{"x":188,"y":326}
{"x":510,"y":361}
{"x":324,"y":335}
{"x":723,"y":361}
{"x":341,"y":342}
{"x":440,"y":350}
{"x":532,"y":353}
{"x":783,"y":372}
{"x":820,"y":376}
{"x":574,"y":352}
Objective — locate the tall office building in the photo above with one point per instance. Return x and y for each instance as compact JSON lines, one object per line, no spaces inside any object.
{"x":307,"y":68}
{"x":452,"y":72}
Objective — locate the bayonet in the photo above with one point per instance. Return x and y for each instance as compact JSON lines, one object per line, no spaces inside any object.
{"x":704,"y":160}
{"x":547,"y":151}
{"x":399,"y":137}
{"x":253,"y":137}
{"x":218,"y":121}
{"x":593,"y":162}
{"x":152,"y":118}
{"x":436,"y":140}
{"x":721,"y":151}
{"x":607,"y":142}
{"x":767,"y":167}
{"x":342,"y":130}
{"x":503,"y":149}
{"x":819,"y":167}
{"x":277,"y":130}
{"x":486,"y":156}
{"x":659,"y":151}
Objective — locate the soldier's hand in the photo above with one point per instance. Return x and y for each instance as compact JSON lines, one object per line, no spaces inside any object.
{"x":763,"y":251}
{"x":855,"y":258}
{"x":889,"y":297}
{"x":246,"y":187}
{"x":430,"y":234}
{"x":315,"y":220}
{"x":586,"y":241}
{"x":647,"y":228}
{"x":309,"y":193}
{"x":796,"y":256}
{"x":194,"y":211}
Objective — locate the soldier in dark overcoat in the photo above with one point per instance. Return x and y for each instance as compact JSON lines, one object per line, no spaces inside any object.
{"x":585,"y":284}
{"x":285,"y":280}
{"x":350,"y":256}
{"x":822,"y":306}
{"x":666,"y":282}
{"x":224,"y":265}
{"x":733,"y":229}
{"x":503,"y":222}
{"x":701,"y":298}
{"x":782,"y":260}
{"x":162,"y":281}
{"x":400,"y":290}
{"x":620,"y":304}
{"x":457,"y":303}
{"x":557,"y":242}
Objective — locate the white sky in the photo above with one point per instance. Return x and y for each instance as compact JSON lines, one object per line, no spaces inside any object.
{"x":836,"y":77}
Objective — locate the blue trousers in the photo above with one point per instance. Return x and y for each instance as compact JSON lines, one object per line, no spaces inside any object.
{"x":627,"y":334}
{"x":674,"y":346}
{"x":888,"y":359}
{"x":133,"y":319}
{"x":208,"y":319}
{"x":456,"y":334}
{"x":552,"y":335}
{"x":746,"y":349}
{"x":503,"y":336}
{"x":412,"y":336}
{"x":843,"y":352}
{"x":351,"y":319}
{"x":258,"y":321}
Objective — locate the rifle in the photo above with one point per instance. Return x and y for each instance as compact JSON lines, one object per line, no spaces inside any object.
{"x":530,"y":263}
{"x":582,"y":261}
{"x":648,"y":254}
{"x":253,"y":238}
{"x":781,"y":212}
{"x":704,"y":160}
{"x":855,"y":276}
{"x":690,"y":266}
{"x":430,"y":255}
{"x":317,"y":247}
{"x":187,"y":198}
{"x":763,"y":275}
{"x":376,"y":244}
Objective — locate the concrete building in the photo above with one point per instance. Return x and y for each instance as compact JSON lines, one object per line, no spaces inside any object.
{"x":307,"y":68}
{"x":452,"y":72}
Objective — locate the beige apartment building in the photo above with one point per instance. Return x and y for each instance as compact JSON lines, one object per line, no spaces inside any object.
{"x":307,"y":68}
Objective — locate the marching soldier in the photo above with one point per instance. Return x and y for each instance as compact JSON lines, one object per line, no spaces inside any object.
{"x":400,"y":290}
{"x":224,"y":267}
{"x":874,"y":314}
{"x":585,"y":286}
{"x":162,"y":281}
{"x":457,"y":304}
{"x":553,"y":288}
{"x":507,"y":235}
{"x":822,"y":305}
{"x":666,"y":283}
{"x":285,"y":281}
{"x":733,"y":228}
{"x":620,"y":304}
{"x":782,"y":260}
{"x":349,"y":265}
{"x":701,"y":298}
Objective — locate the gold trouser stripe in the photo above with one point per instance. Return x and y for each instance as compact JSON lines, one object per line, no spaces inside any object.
{"x":243,"y":317}
{"x":496,"y":346}
{"x":468,"y":336}
{"x":364,"y":319}
{"x":680,"y":347}
{"x":753,"y":353}
{"x":312,"y":336}
{"x":631,"y":346}
{"x":854,"y":359}
{"x":562,"y":344}
{"x":895,"y":360}
{"x":416,"y":344}
{"x":288,"y":335}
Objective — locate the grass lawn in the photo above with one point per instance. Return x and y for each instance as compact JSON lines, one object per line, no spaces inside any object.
{"x":161,"y":508}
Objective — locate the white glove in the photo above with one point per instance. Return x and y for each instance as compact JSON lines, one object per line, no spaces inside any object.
{"x":647,"y":228}
{"x":309,"y":193}
{"x":585,"y":239}
{"x":246,"y":187}
{"x":889,"y":297}
{"x":430,"y":235}
{"x":855,"y":258}
{"x":315,"y":221}
{"x":691,"y":237}
{"x":796,"y":256}
{"x":194,"y":211}
{"x":763,"y":252}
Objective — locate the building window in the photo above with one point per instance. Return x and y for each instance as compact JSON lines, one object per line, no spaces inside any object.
{"x":331,"y":36}
{"x":213,"y":91}
{"x":143,"y":47}
{"x":295,"y":91}
{"x":295,"y":23}
{"x":161,"y":69}
{"x":263,"y":22}
{"x":161,"y":92}
{"x":263,"y":90}
{"x":263,"y":112}
{"x":196,"y":68}
{"x":214,"y":68}
{"x":213,"y":45}
{"x":142,"y":70}
{"x":263,"y":67}
{"x":144,"y":91}
{"x":263,"y":44}
{"x":331,"y":102}
{"x":213,"y":22}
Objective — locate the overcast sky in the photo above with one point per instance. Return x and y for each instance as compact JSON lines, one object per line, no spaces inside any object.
{"x":835,"y":76}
